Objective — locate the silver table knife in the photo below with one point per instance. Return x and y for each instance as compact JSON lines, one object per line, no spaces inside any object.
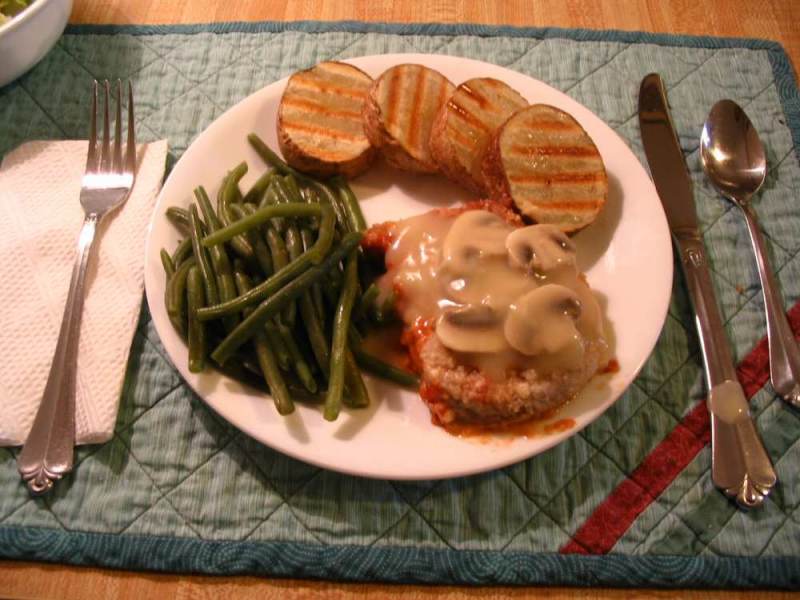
{"x":740,"y":465}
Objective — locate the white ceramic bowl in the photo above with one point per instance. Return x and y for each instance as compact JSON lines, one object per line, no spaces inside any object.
{"x":26,"y":38}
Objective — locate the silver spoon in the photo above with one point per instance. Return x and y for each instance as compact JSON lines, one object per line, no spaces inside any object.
{"x":733,"y":159}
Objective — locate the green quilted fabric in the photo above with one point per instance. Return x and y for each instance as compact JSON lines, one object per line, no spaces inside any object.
{"x":179,"y":489}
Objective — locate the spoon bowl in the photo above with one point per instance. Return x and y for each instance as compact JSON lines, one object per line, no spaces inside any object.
{"x":732,"y":153}
{"x":734,"y":160}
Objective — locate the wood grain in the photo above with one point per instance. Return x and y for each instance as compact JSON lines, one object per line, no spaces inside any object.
{"x":32,"y":580}
{"x":772,"y":19}
{"x":777,"y":20}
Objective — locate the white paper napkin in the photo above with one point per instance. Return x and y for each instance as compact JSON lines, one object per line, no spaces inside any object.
{"x":40,"y":218}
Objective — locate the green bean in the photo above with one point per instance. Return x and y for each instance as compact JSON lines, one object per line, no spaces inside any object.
{"x":225,"y":283}
{"x":282,"y":192}
{"x":325,"y":236}
{"x":230,"y":186}
{"x":366,"y":303}
{"x":201,"y":256}
{"x":256,"y":192}
{"x":385,"y":313}
{"x":315,"y":332}
{"x":309,"y":197}
{"x":269,"y":307}
{"x":330,"y":198}
{"x":268,"y":156}
{"x":262,"y":215}
{"x":260,"y":249}
{"x":272,"y":375}
{"x":294,"y":246}
{"x":166,"y":262}
{"x":352,"y":208}
{"x":358,"y":396}
{"x":267,"y":360}
{"x":294,"y":243}
{"x":229,"y":194}
{"x":333,"y":286}
{"x":182,"y":252}
{"x":277,"y":345}
{"x":280,"y":258}
{"x":271,"y":199}
{"x":179,"y":217}
{"x":316,"y":292}
{"x":277,"y":247}
{"x":209,"y":216}
{"x":219,"y":260}
{"x":299,"y":364}
{"x":281,"y":276}
{"x":341,"y":323}
{"x":175,"y":296}
{"x":197,"y":329}
{"x":293,"y":188}
{"x":376,"y":366}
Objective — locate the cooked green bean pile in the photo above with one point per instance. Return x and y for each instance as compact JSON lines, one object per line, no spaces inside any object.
{"x":266,"y":287}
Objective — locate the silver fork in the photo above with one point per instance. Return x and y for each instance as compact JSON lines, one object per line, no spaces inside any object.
{"x":48,"y":452}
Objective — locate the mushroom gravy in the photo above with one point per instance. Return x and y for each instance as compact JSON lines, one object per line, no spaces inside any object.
{"x":502,"y":297}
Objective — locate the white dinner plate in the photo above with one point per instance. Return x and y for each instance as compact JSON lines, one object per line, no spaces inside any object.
{"x":626,"y":254}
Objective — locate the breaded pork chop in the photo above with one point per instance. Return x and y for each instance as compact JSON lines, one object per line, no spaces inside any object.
{"x":455,"y":390}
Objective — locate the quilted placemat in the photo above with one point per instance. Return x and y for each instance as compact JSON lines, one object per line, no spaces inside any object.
{"x":627,"y":501}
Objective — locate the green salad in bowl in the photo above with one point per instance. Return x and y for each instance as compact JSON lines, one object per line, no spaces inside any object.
{"x":10,"y":8}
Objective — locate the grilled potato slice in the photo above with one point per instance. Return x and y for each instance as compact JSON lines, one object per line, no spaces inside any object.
{"x":320,"y":131}
{"x":465,"y":124}
{"x":543,"y":162}
{"x":399,"y":113}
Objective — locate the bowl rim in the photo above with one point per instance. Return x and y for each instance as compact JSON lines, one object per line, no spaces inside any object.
{"x":25,"y":15}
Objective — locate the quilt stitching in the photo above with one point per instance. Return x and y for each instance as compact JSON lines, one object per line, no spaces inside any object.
{"x":173,"y":54}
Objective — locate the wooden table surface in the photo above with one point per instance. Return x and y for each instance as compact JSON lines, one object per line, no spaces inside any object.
{"x":772,"y":19}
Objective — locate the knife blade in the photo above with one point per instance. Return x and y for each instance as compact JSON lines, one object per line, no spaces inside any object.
{"x":740,"y":465}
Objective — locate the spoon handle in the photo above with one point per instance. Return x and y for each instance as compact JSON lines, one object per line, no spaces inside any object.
{"x":784,"y":354}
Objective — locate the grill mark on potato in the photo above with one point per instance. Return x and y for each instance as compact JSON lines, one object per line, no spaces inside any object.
{"x":467,"y":116}
{"x":394,"y":83}
{"x":320,"y":109}
{"x":464,"y":140}
{"x":414,"y":116}
{"x":479,"y":98}
{"x":564,"y":179}
{"x":583,"y":151}
{"x":326,"y":132}
{"x":323,"y":87}
{"x":443,"y":89}
{"x":569,"y":204}
{"x":550,"y":125}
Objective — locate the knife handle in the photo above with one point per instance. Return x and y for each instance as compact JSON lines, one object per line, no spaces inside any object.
{"x":740,"y":465}
{"x":714,"y":344}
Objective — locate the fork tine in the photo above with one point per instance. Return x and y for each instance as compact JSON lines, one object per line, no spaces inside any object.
{"x":91,"y":157}
{"x":130,"y":157}
{"x":105,"y":154}
{"x":117,"y":164}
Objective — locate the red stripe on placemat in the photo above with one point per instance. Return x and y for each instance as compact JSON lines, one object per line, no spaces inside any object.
{"x":611,"y":519}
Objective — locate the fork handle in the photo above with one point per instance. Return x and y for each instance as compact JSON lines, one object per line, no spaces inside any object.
{"x":784,"y":354}
{"x":48,"y":452}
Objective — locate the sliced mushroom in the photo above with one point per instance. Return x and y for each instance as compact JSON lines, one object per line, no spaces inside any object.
{"x":540,"y":249}
{"x":471,"y":328}
{"x":474,"y":235}
{"x":543,"y":321}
